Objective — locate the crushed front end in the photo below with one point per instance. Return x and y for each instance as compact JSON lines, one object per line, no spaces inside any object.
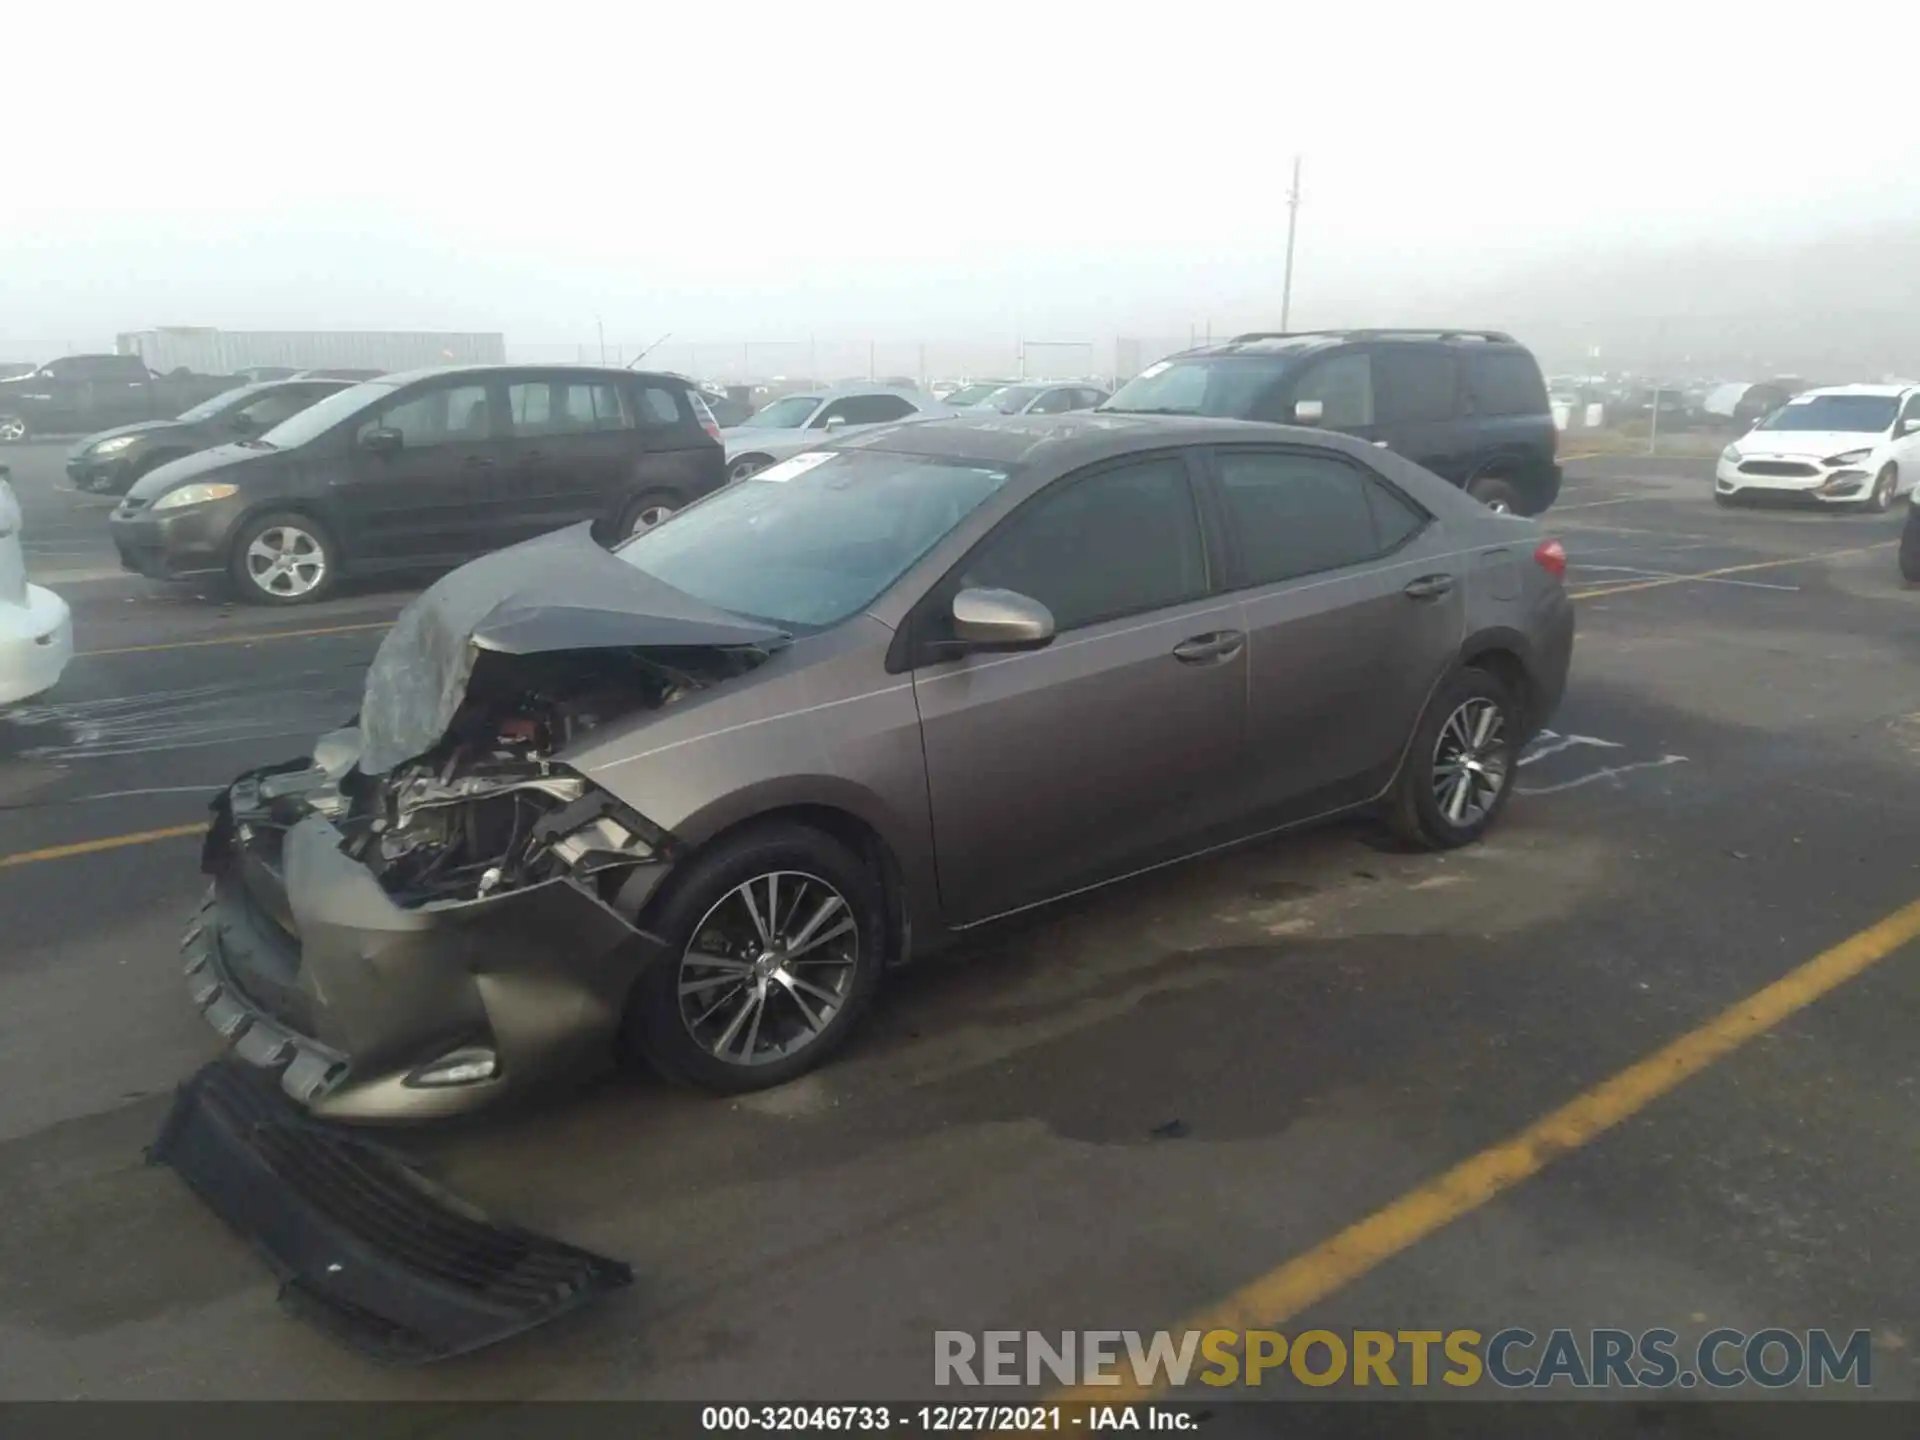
{"x":409,"y":945}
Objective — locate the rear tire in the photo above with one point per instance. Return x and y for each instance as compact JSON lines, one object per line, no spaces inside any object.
{"x":1496,"y":493}
{"x":1460,"y":765}
{"x":655,"y":507}
{"x":745,"y":466}
{"x":14,"y":429}
{"x":806,"y":1008}
{"x":283,"y":558}
{"x":1910,"y":547}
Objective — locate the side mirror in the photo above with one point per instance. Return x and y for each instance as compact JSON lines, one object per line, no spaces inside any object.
{"x":1308,"y":412}
{"x":835,"y":422}
{"x":383,"y":441}
{"x":1908,"y":426}
{"x":1000,"y":620}
{"x":240,"y":424}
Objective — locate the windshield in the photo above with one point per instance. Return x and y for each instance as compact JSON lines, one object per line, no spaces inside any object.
{"x":318,"y":418}
{"x":813,"y":539}
{"x":974,"y":394}
{"x":1012,"y":400}
{"x":224,"y":401}
{"x":1204,"y":385}
{"x":789,"y":413}
{"x":1858,"y":414}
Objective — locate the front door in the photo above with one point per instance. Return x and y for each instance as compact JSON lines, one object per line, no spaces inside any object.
{"x":1906,"y":445}
{"x":432,"y":499}
{"x":1353,"y":609}
{"x":1116,"y":746}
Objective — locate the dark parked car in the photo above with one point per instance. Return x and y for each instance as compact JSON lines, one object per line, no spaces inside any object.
{"x":430,"y":467}
{"x":686,"y":800}
{"x":108,"y":463}
{"x":1910,"y":541}
{"x":78,"y":394}
{"x":1469,"y":405}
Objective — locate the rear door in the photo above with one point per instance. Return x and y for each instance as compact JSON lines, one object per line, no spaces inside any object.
{"x":437,"y":497}
{"x":118,"y":391}
{"x":1507,"y":396}
{"x":1117,"y":745}
{"x":1419,"y":402}
{"x":573,"y":443}
{"x":678,"y":453}
{"x":1353,"y":609}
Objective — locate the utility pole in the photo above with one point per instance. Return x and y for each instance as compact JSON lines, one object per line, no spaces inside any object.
{"x":1293,"y":224}
{"x":603,"y":339}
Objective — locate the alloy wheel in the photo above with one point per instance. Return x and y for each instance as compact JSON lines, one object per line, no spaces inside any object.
{"x":1470,"y":762}
{"x":742,"y":469}
{"x":647,"y":517}
{"x":286,"y":561}
{"x":12,"y":428}
{"x":770,"y":967}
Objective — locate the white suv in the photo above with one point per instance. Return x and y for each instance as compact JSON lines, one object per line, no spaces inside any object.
{"x":1854,"y":445}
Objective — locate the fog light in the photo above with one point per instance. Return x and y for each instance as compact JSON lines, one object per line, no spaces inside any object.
{"x":459,"y":1067}
{"x":1843,"y":482}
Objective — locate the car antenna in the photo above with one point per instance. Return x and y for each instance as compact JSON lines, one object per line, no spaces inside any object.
{"x":649,"y":350}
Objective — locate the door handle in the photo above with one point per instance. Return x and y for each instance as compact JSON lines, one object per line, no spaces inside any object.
{"x":1210,"y":648}
{"x":1381,"y":445}
{"x":1429,"y":587}
{"x":480,"y":462}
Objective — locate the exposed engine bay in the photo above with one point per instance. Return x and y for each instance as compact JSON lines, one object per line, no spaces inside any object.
{"x":488,"y":809}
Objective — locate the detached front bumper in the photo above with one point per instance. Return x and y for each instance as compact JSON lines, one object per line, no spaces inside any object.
{"x":369,"y":1011}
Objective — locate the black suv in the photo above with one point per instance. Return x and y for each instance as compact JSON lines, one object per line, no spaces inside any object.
{"x":427,"y":468}
{"x":1469,"y":405}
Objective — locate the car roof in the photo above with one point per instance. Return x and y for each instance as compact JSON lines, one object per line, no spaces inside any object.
{"x":1299,"y":342}
{"x":1059,"y":443}
{"x":427,"y":372}
{"x":1891,"y":390}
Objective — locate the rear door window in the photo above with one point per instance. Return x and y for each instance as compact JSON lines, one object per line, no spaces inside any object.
{"x":1415,"y":385}
{"x":1293,"y":512}
{"x":1505,"y":382}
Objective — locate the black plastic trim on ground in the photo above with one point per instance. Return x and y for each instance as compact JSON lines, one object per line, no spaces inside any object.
{"x":365,"y":1247}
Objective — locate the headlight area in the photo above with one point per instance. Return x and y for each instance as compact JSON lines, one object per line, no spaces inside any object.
{"x":489,"y":810}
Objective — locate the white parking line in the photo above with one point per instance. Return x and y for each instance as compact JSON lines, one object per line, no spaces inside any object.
{"x":1596,"y":504}
{"x":1636,"y":572}
{"x":1609,"y":772}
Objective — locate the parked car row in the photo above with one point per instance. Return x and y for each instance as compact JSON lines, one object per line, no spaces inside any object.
{"x":77,"y":394}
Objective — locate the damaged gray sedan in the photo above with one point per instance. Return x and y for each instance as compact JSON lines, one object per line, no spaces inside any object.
{"x":683,"y":803}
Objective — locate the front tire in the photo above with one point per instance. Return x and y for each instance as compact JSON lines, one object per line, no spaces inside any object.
{"x":1884,"y":485}
{"x":775,"y":943}
{"x":284,"y":558}
{"x":1460,"y":766}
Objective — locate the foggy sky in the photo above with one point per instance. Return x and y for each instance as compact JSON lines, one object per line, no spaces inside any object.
{"x":951,"y":172}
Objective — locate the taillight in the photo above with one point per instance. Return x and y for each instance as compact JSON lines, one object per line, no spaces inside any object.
{"x":711,"y":429}
{"x":1551,"y":556}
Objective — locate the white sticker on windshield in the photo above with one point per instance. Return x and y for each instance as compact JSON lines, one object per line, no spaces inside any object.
{"x":1152,"y":370}
{"x":795,"y":465}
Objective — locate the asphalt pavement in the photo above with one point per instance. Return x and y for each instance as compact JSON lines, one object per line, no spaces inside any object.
{"x":1725,"y":795}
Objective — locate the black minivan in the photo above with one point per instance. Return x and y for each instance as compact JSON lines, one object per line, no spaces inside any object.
{"x":427,"y":468}
{"x":1469,"y":405}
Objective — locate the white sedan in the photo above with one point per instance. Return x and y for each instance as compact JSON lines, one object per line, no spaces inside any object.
{"x":1851,"y":445}
{"x":796,"y":423}
{"x":36,"y":628}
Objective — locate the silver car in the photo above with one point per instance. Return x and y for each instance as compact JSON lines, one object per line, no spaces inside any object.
{"x":795,"y":422}
{"x":1039,"y":397}
{"x":687,"y":801}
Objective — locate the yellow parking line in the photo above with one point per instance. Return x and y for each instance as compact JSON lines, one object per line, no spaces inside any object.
{"x":1307,"y":1279}
{"x":1627,"y":586}
{"x":94,"y":847}
{"x":246,"y":639}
